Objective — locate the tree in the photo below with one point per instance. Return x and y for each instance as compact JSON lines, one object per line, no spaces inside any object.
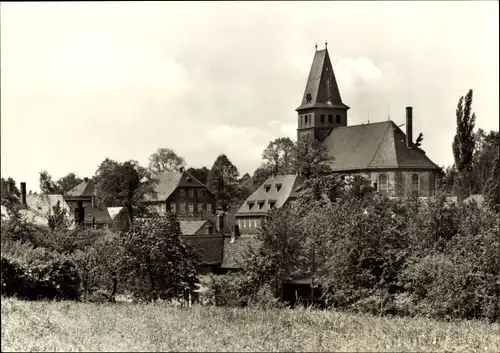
{"x":492,"y":187}
{"x":165,"y":160}
{"x":223,"y":182}
{"x":124,"y":184}
{"x":47,"y":186}
{"x":68,"y":182}
{"x":10,"y":193}
{"x":279,"y":155}
{"x":312,"y":157}
{"x":59,"y":218}
{"x":201,"y":174}
{"x":161,"y":266}
{"x":486,"y":146}
{"x":260,"y":175}
{"x":463,"y":144}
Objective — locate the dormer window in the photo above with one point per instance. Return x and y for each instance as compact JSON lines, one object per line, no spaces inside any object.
{"x":272,"y":203}
{"x":261,"y":204}
{"x":189,"y":180}
{"x":267,"y":187}
{"x":250,"y":204}
{"x":278,"y":187}
{"x":308,"y":98}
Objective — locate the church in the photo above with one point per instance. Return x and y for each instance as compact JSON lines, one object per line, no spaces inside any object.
{"x":380,"y":151}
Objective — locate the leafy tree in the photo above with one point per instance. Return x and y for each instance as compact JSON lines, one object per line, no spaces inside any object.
{"x":124,"y":184}
{"x":58,"y":219}
{"x":11,"y":196}
{"x":312,"y":157}
{"x":201,"y":174}
{"x":492,"y":187}
{"x":47,"y":186}
{"x":486,"y":147}
{"x":164,"y":160}
{"x":223,"y":182}
{"x":68,"y":182}
{"x":463,"y":145}
{"x":160,"y":264}
{"x":278,"y":155}
{"x":260,"y":175}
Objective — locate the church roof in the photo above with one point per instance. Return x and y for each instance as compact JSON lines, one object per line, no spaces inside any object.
{"x":322,"y":90}
{"x":379,"y":145}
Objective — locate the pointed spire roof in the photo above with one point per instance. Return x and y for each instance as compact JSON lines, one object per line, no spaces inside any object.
{"x":322,"y":90}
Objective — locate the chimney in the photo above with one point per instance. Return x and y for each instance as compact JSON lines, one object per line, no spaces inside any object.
{"x":23,"y":193}
{"x":181,"y":169}
{"x":220,"y":222}
{"x":86,"y":179}
{"x":79,"y":213}
{"x":409,"y":127}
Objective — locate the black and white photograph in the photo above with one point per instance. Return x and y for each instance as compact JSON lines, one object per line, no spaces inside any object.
{"x":250,"y":176}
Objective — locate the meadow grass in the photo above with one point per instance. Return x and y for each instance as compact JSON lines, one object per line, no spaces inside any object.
{"x":71,"y":326}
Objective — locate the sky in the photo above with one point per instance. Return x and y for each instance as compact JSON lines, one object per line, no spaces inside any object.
{"x":81,"y":82}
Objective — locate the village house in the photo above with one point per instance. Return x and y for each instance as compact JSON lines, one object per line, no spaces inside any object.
{"x":183,"y":195}
{"x":83,"y":195}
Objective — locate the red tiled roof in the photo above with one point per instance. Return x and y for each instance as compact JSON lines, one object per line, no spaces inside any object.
{"x":379,"y":145}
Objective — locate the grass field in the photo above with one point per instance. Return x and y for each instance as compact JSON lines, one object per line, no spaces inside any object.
{"x":69,"y":326}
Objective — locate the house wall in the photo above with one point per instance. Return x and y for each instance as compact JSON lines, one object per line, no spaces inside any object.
{"x":249,"y":224}
{"x":199,"y":196}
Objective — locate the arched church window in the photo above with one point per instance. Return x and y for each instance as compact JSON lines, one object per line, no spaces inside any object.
{"x":414,"y":185}
{"x":382,"y":182}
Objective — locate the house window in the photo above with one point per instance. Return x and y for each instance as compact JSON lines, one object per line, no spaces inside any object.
{"x":240,"y":223}
{"x":278,"y":187}
{"x":182,"y":207}
{"x":257,"y":221}
{"x":200,"y":207}
{"x":337,"y":119}
{"x":210,"y":230}
{"x":267,"y":187}
{"x":201,"y":193}
{"x":172,"y":207}
{"x":244,"y":222}
{"x":261,"y":204}
{"x":382,"y":181}
{"x":322,"y":118}
{"x":182,"y":192}
{"x":209,"y":208}
{"x":414,"y":185}
{"x":191,"y":192}
{"x":191,"y":208}
{"x":330,"y":119}
{"x":272,"y":203}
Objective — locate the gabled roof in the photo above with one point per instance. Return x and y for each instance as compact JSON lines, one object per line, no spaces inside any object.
{"x":100,"y":215}
{"x":85,"y":188}
{"x":288,"y":183}
{"x":379,"y":145}
{"x":114,"y":211}
{"x":321,"y":87}
{"x":40,"y":207}
{"x":191,"y":227}
{"x":168,"y":182}
{"x":209,"y":248}
{"x":236,"y":249}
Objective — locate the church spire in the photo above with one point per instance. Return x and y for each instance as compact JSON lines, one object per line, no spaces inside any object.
{"x":322,"y":108}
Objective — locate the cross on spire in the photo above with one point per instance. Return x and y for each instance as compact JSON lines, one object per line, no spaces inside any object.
{"x":326,"y":44}
{"x":316,"y":46}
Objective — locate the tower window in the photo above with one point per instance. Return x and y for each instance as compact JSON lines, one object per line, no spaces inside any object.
{"x":322,"y":118}
{"x":382,"y":181}
{"x":307,"y":119}
{"x":337,"y":119}
{"x":330,"y":119}
{"x":308,"y":98}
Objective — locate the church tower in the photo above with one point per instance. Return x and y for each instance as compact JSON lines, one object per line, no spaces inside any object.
{"x":322,"y":108}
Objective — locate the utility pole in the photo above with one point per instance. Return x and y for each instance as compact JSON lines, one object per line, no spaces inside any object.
{"x":313,"y":272}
